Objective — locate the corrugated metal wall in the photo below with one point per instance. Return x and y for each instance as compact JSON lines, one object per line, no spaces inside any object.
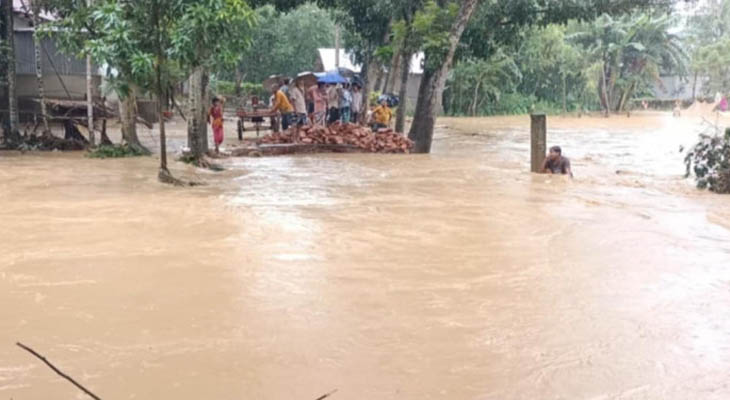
{"x":25,"y":57}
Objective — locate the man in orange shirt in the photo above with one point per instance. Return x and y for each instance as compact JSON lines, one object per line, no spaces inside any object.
{"x":283,"y":106}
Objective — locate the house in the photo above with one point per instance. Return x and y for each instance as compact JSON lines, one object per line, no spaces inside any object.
{"x":64,"y":76}
{"x":326,"y":62}
{"x":672,"y":88}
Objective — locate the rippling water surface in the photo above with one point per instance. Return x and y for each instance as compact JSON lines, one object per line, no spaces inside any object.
{"x":454,"y":275}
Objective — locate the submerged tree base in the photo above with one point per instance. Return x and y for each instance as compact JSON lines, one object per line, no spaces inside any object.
{"x":44,"y":142}
{"x":200,"y":162}
{"x":165,"y":176}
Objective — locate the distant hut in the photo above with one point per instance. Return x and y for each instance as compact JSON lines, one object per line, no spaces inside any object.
{"x":64,"y":76}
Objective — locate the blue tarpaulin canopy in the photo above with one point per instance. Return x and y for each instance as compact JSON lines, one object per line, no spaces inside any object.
{"x":330,"y":77}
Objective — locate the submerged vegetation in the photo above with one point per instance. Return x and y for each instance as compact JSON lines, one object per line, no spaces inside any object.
{"x":597,"y":65}
{"x":709,"y":161}
{"x":114,"y":151}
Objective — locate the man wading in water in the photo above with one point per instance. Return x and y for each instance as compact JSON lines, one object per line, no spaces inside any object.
{"x":555,"y":163}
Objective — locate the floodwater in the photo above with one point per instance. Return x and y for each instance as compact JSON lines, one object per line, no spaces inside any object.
{"x":455,"y":275}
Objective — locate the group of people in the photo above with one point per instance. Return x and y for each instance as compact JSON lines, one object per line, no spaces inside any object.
{"x":321,"y":104}
{"x":324,"y":104}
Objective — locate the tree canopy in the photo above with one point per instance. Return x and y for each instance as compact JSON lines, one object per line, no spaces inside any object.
{"x":277,"y":44}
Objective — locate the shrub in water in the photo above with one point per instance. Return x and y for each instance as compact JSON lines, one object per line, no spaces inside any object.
{"x":113,"y":151}
{"x":709,"y":160}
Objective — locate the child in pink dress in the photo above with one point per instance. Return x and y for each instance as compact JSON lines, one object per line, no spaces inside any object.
{"x":215,"y":118}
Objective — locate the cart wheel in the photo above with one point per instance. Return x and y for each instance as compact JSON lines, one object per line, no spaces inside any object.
{"x":240,"y":130}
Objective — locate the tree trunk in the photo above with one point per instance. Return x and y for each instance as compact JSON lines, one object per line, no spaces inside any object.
{"x":13,"y":136}
{"x":378,"y":84}
{"x":239,"y":80}
{"x":612,"y":77}
{"x":363,"y":116}
{"x":89,"y":96}
{"x":433,"y":82}
{"x":626,"y":96}
{"x":400,"y":115}
{"x":164,"y":174}
{"x":395,"y":63}
{"x":128,"y":116}
{"x":475,"y":98}
{"x":37,"y":43}
{"x":105,"y":141}
{"x":90,"y":103}
{"x":604,"y":93}
{"x":694,"y":88}
{"x":384,"y":89}
{"x":197,"y":118}
{"x":565,"y":95}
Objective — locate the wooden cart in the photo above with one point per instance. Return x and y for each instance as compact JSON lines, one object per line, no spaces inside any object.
{"x":256,"y":118}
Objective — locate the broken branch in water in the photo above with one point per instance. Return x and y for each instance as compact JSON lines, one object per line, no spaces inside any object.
{"x":326,"y":395}
{"x":56,"y":370}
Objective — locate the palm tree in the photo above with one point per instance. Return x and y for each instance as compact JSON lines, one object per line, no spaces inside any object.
{"x":475,"y":80}
{"x":632,"y":51}
{"x":651,"y":48}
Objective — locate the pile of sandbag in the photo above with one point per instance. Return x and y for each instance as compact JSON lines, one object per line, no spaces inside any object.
{"x":382,"y":141}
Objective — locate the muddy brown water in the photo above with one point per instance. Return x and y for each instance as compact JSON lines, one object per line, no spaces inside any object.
{"x":455,"y":275}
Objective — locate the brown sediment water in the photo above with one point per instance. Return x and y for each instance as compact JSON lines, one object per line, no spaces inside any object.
{"x":453,"y":275}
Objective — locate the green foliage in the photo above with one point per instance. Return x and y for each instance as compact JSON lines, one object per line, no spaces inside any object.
{"x":552,"y":67}
{"x":367,"y":24}
{"x":212,"y":33}
{"x":633,"y":51}
{"x":284,"y":43}
{"x":152,"y":43}
{"x":712,"y":62}
{"x":114,"y":151}
{"x":432,"y":25}
{"x":475,"y":83}
{"x":228,"y":88}
{"x":373,"y":97}
{"x":3,"y":49}
{"x":709,"y":160}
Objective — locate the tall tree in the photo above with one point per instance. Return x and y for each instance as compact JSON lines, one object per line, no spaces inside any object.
{"x":208,"y":34}
{"x":407,"y":45}
{"x":633,"y":50}
{"x":89,"y":98}
{"x":150,"y":41}
{"x":37,"y":50}
{"x":440,"y":48}
{"x":11,"y":76}
{"x":707,"y":30}
{"x":277,"y":45}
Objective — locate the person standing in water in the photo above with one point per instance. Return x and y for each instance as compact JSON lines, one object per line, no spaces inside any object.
{"x":555,"y":163}
{"x":215,"y":119}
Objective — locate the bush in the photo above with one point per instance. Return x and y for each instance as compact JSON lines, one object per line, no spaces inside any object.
{"x":225,"y":88}
{"x":248,"y":89}
{"x":114,"y":151}
{"x":709,"y":159}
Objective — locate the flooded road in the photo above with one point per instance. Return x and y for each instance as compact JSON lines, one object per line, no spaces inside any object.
{"x":455,"y":275}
